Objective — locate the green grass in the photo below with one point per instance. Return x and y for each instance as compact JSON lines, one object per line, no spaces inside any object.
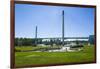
{"x":41,"y":58}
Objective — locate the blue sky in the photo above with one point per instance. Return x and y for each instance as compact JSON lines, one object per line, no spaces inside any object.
{"x":79,"y":22}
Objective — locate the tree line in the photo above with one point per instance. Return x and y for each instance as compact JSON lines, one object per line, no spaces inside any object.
{"x":34,"y":42}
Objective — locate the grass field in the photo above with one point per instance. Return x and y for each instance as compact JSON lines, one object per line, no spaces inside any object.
{"x":41,"y":58}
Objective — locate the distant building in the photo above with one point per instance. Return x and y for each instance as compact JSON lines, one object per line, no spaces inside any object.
{"x":91,"y":39}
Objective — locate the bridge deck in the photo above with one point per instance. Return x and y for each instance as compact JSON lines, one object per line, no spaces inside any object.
{"x":66,"y":38}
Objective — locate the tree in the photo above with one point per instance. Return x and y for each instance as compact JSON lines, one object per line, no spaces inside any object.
{"x":77,"y":42}
{"x":16,"y":41}
{"x":51,"y":42}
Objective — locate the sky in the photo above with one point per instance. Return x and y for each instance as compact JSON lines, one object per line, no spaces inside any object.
{"x":79,"y":22}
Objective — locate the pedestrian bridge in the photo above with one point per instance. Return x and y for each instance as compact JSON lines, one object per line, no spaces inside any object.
{"x":65,"y":38}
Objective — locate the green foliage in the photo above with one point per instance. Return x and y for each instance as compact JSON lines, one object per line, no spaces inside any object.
{"x":33,"y":48}
{"x":24,"y":41}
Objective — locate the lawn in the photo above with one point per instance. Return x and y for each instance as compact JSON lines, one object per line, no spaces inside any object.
{"x":41,"y":58}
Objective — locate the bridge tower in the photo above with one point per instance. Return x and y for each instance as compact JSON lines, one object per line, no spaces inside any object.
{"x":36,"y":36}
{"x":63,"y":28}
